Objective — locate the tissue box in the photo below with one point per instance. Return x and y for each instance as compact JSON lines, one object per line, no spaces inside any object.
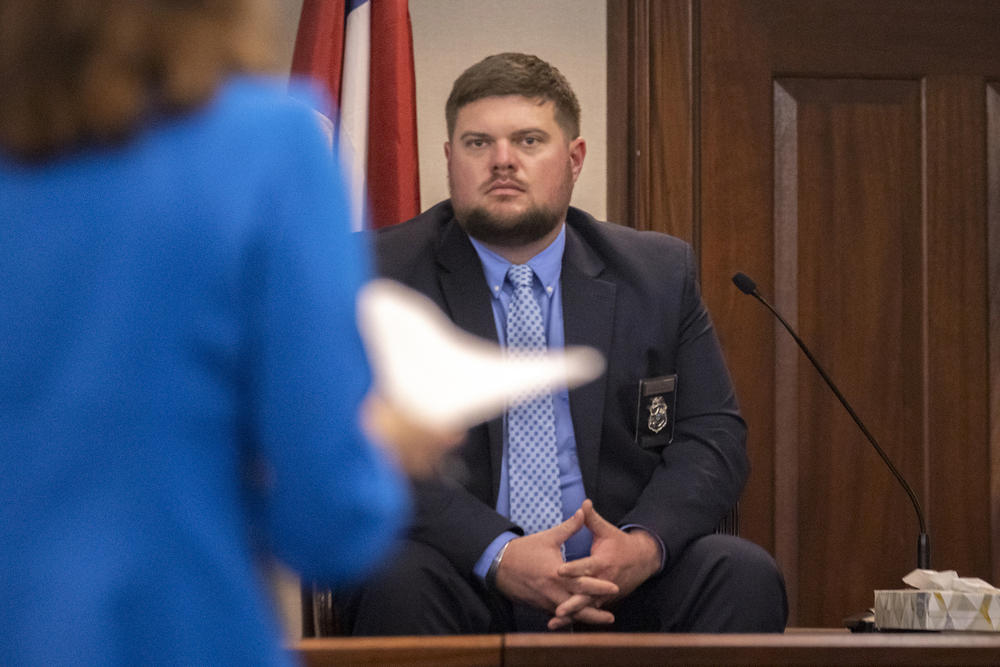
{"x":937,"y":610}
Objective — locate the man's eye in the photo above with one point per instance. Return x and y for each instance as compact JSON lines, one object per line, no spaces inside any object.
{"x":476,"y":143}
{"x":530,"y":141}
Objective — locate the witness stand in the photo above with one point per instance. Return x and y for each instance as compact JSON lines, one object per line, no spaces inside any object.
{"x":798,"y":646}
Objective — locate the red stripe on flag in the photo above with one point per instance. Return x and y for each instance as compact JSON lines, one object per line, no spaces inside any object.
{"x":393,"y":168}
{"x":319,"y":43}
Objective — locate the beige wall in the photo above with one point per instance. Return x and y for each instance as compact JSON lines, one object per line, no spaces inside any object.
{"x":450,"y":35}
{"x":287,"y":12}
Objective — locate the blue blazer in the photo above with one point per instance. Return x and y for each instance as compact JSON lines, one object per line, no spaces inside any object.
{"x":635,"y":297}
{"x":180,"y":376}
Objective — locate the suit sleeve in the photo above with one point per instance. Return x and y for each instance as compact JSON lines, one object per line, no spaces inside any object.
{"x":701,"y":474}
{"x":456,"y":523}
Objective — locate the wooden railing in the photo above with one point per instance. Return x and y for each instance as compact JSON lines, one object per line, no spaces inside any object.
{"x":795,"y":647}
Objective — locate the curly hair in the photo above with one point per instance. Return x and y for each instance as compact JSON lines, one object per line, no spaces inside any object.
{"x":80,"y":72}
{"x":515,"y":74}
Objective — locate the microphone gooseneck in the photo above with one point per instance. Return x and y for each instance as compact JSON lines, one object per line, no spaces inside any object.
{"x":748,"y":286}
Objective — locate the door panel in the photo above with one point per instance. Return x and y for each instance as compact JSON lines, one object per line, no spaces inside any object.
{"x":853,"y":279}
{"x":846,"y":157}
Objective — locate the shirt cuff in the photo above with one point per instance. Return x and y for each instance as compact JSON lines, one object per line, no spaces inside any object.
{"x":482,"y":565}
{"x":663,"y":550}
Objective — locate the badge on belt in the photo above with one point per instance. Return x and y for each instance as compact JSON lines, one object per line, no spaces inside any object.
{"x":654,"y":421}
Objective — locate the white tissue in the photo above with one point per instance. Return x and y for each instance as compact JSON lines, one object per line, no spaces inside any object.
{"x":444,"y":377}
{"x":947,"y":580}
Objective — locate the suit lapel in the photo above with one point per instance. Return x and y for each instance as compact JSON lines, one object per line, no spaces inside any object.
{"x":463,"y":285}
{"x":468,"y":301}
{"x":588,"y":311}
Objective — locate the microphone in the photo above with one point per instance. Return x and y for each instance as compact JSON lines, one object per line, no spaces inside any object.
{"x":748,"y":286}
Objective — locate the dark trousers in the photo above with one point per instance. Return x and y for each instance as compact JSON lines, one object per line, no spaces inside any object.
{"x":720,"y":583}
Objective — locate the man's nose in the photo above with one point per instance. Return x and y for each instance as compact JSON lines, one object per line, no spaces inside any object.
{"x":503,"y":157}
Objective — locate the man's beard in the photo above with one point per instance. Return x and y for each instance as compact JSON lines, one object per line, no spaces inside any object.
{"x":508,"y":231}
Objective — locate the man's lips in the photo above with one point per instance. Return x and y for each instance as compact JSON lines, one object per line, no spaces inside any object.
{"x":504,"y":188}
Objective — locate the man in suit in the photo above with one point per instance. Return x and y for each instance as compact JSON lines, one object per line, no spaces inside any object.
{"x":650,"y":457}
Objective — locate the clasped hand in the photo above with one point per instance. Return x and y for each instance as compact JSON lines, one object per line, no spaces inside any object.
{"x":532,"y":570}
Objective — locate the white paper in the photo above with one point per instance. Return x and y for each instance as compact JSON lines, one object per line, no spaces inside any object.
{"x":441,"y":375}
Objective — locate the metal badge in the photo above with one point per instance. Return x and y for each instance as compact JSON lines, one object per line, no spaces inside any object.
{"x":655,"y":411}
{"x":657,"y":414}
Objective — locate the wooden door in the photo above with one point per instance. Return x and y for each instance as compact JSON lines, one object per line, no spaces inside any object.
{"x":846,"y":155}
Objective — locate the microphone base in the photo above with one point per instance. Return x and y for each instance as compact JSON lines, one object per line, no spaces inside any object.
{"x":861,"y":622}
{"x":864,"y":622}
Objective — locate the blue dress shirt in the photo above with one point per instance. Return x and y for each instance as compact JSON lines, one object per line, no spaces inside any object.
{"x":547,"y":266}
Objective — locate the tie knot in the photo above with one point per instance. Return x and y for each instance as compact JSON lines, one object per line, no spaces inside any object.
{"x":520,"y":275}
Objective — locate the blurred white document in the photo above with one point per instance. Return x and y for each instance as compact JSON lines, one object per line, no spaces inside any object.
{"x":443,"y":376}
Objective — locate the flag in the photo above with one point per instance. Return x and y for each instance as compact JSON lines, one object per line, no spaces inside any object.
{"x":362,"y":51}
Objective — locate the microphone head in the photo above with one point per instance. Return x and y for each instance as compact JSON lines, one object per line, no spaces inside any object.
{"x":744,"y":283}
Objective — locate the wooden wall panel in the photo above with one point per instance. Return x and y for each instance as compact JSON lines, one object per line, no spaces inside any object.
{"x":956,"y":281}
{"x":736,"y":99}
{"x":849,"y":236}
{"x":652,"y":173}
{"x":846,"y":155}
{"x":993,"y":285}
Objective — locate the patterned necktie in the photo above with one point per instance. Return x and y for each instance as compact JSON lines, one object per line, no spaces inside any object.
{"x":535,"y":499}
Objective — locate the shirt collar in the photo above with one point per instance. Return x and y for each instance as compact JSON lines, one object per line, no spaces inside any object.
{"x":547,"y":264}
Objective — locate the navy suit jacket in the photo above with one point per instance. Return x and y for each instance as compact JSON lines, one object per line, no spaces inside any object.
{"x":634,"y":296}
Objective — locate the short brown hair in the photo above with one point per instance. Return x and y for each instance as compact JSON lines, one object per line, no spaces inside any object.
{"x":515,"y":74}
{"x":77,"y":72}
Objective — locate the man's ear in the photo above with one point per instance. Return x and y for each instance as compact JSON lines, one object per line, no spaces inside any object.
{"x":577,"y":151}
{"x":447,"y":151}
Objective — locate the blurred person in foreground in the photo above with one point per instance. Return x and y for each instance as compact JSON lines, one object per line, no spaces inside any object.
{"x":180,"y":370}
